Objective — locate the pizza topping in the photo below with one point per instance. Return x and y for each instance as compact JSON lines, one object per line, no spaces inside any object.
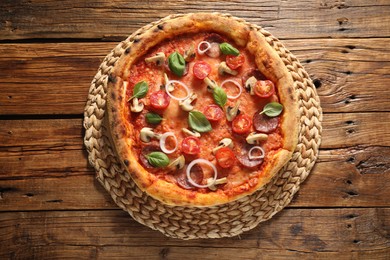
{"x":225,"y":157}
{"x":235,"y":84}
{"x":186,"y":104}
{"x":226,"y":142}
{"x":203,"y":46}
{"x":158,"y":59}
{"x":241,"y":124}
{"x":223,"y":69}
{"x":201,"y":69}
{"x":214,"y":51}
{"x":144,"y":152}
{"x":220,"y":96}
{"x":232,"y":112}
{"x":177,"y":164}
{"x":234,"y":62}
{"x":198,"y":122}
{"x":140,"y":90}
{"x":250,"y":84}
{"x":264,"y":88}
{"x":226,"y":48}
{"x":158,"y":159}
{"x":136,"y":106}
{"x":272,"y":109}
{"x":164,"y":140}
{"x":190,"y":132}
{"x":198,"y":162}
{"x":190,"y":145}
{"x":253,"y":153}
{"x":177,"y":64}
{"x":196,"y":176}
{"x":212,"y":183}
{"x":255,"y":138}
{"x":159,"y":100}
{"x":264,"y":123}
{"x":213,"y":113}
{"x":211,"y":84}
{"x":147,"y":134}
{"x":189,"y":55}
{"x":172,"y":85}
{"x":153,"y":118}
{"x":243,"y":156}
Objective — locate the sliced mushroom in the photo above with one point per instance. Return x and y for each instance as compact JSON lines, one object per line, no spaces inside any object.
{"x":226,"y":142}
{"x":147,"y":134}
{"x":186,"y":103}
{"x":177,"y":164}
{"x":169,"y":87}
{"x":211,"y":84}
{"x":159,"y":59}
{"x":216,"y":182}
{"x":250,"y":84}
{"x":190,"y":132}
{"x":232,"y":112}
{"x":223,"y":68}
{"x":136,"y":106}
{"x":255,"y":138}
{"x":189,"y":55}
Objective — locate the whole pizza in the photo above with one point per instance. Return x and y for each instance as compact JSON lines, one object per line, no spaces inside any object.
{"x":202,"y":111}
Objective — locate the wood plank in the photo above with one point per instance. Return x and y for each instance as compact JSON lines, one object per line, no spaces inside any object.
{"x":113,"y":20}
{"x":293,"y":232}
{"x":54,"y":78}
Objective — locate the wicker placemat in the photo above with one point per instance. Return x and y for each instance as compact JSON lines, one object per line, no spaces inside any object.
{"x":212,"y":222}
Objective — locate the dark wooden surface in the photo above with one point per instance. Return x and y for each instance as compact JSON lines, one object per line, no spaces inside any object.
{"x":51,"y":206}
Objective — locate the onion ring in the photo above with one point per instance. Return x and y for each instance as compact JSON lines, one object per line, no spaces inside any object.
{"x":188,"y":173}
{"x":235,"y":83}
{"x":201,"y":52}
{"x":162,"y":142}
{"x":181,"y":84}
{"x":251,"y":157}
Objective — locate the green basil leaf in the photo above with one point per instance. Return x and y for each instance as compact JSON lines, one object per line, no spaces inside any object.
{"x":153,"y":118}
{"x":272,"y":109}
{"x":220,"y":96}
{"x":176,"y":63}
{"x":140,"y":90}
{"x":158,"y":159}
{"x":199,"y":122}
{"x":226,"y":48}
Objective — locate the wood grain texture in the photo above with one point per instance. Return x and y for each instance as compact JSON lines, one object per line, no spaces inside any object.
{"x":292,"y":233}
{"x":351,"y":75}
{"x":115,"y":19}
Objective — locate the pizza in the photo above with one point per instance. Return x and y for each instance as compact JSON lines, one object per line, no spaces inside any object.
{"x":201,"y":110}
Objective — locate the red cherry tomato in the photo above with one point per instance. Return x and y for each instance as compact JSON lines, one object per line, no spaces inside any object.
{"x":235,"y":62}
{"x":159,"y":100}
{"x":242,"y":124}
{"x":225,"y":157}
{"x":213,"y":112}
{"x":190,"y":145}
{"x":264,"y":88}
{"x":201,"y":69}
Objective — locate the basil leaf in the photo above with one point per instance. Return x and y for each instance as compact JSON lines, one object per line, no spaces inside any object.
{"x":176,"y":63}
{"x":158,"y":159}
{"x":226,"y":48}
{"x":220,"y":96}
{"x":272,"y":109}
{"x":153,"y":118}
{"x":199,"y":122}
{"x":140,"y":90}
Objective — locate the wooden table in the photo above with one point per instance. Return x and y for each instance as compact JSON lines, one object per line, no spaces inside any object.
{"x":51,"y":206}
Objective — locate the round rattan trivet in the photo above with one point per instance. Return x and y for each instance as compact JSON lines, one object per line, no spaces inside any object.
{"x":212,"y":222}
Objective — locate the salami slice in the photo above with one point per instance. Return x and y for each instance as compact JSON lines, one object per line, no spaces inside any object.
{"x":264,"y":123}
{"x":242,"y":154}
{"x":196,"y":175}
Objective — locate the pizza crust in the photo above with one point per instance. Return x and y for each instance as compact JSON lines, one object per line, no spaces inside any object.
{"x":267,"y":61}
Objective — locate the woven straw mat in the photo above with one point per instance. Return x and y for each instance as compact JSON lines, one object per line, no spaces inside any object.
{"x":211,"y":222}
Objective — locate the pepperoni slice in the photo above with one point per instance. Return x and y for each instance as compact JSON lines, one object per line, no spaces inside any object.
{"x":196,"y":175}
{"x":242,"y":155}
{"x":145,"y":151}
{"x":264,"y":123}
{"x":213,"y":37}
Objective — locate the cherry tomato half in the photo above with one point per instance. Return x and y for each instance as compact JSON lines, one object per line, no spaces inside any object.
{"x":264,"y":88}
{"x":190,"y":145}
{"x":225,"y":157}
{"x":201,"y":69}
{"x":213,"y":112}
{"x":159,"y":100}
{"x":241,"y":124}
{"x":235,"y":62}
